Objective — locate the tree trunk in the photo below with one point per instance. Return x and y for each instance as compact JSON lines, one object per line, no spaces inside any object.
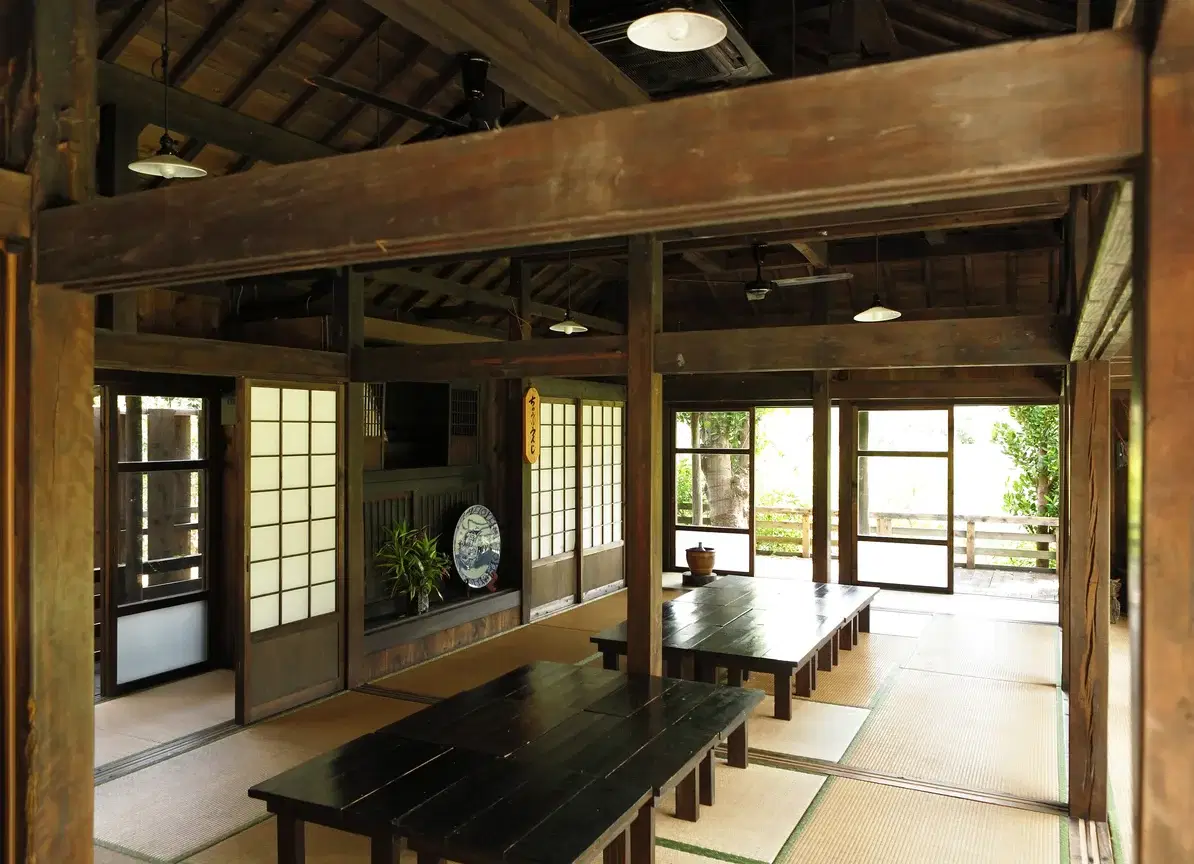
{"x":698,"y":499}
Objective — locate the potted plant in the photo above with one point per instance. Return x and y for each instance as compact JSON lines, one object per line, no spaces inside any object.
{"x":412,"y":564}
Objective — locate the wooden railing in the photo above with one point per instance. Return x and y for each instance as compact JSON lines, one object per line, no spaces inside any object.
{"x":790,"y":529}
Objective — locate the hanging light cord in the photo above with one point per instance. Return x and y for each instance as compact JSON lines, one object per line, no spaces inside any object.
{"x":166,"y":69}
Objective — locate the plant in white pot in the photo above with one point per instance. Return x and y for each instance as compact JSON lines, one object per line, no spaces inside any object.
{"x":412,"y":564}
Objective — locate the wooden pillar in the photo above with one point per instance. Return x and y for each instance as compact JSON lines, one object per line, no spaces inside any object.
{"x":48,"y":132}
{"x":348,"y":335}
{"x":1089,"y":595}
{"x":821,"y":455}
{"x":847,"y":419}
{"x":1161,"y":464}
{"x":1063,"y":528}
{"x":644,"y":459}
{"x":518,"y":472}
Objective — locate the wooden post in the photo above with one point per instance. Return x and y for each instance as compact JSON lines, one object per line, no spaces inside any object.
{"x":1161,"y":494}
{"x":117,"y":147}
{"x":1063,"y":527}
{"x":969,"y":544}
{"x":847,"y":419}
{"x":348,"y":335}
{"x":821,"y":455}
{"x":518,"y":504}
{"x":806,"y":534}
{"x":1089,"y":600}
{"x":644,"y":452}
{"x":48,"y":133}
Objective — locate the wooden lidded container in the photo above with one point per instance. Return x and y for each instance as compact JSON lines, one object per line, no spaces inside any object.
{"x":700,"y":559}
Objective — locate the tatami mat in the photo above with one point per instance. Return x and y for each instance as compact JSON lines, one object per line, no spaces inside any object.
{"x":174,"y":808}
{"x":969,"y":605}
{"x":592,"y":616}
{"x":816,"y":731}
{"x":862,"y":672}
{"x":974,"y":733}
{"x":130,"y":724}
{"x":989,"y":649}
{"x":890,"y":623}
{"x":755,"y":813}
{"x":868,"y":823}
{"x":485,"y":661}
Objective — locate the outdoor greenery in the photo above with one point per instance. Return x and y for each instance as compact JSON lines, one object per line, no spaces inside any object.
{"x":412,"y":564}
{"x":723,"y":490}
{"x":1031,"y":442}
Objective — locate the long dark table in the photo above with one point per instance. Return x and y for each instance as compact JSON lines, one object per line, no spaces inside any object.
{"x":745,"y":624}
{"x":547,"y":764}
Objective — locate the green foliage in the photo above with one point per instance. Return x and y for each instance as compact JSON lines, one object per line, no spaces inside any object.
{"x":412,"y":562}
{"x":1031,"y":441}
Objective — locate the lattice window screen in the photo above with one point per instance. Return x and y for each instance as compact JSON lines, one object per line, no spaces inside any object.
{"x":553,"y":482}
{"x":601,"y":474}
{"x":292,"y":505}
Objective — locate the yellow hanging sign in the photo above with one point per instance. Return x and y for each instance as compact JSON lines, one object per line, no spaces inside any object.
{"x":530,"y":426}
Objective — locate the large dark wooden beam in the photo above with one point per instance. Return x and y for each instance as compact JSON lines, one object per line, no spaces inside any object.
{"x":1104,"y":316}
{"x":548,"y":67}
{"x":194,"y":116}
{"x":184,"y":355}
{"x":1024,"y":115}
{"x":644,"y":461}
{"x":48,"y":131}
{"x":1161,"y":528}
{"x":822,"y":506}
{"x":1088,"y":615}
{"x":573,"y":357}
{"x":1023,"y":341}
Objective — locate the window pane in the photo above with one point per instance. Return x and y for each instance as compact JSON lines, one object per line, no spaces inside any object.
{"x":712,"y":429}
{"x":731,"y":551}
{"x":160,"y":428}
{"x":713,"y":489}
{"x":919,"y":431}
{"x":905,"y":496}
{"x":159,"y":517}
{"x":902,"y":564}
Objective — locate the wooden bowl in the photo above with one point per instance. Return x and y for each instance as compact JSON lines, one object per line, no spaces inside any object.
{"x":700,"y":560}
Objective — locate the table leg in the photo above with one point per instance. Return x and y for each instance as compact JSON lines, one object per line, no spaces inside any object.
{"x":864,"y":619}
{"x":705,"y":671}
{"x":642,"y":835}
{"x":845,"y":637}
{"x":804,"y":679}
{"x":688,"y":805}
{"x":833,"y":647}
{"x":736,"y":755}
{"x":783,"y":695}
{"x":854,"y":630}
{"x":384,"y":850}
{"x":688,"y":667}
{"x":734,"y":677}
{"x":609,"y":659}
{"x":673,"y":667}
{"x":292,"y":836}
{"x":708,"y":783}
{"x":617,"y":852}
{"x":812,"y":673}
{"x":825,"y":657}
{"x":429,"y":858}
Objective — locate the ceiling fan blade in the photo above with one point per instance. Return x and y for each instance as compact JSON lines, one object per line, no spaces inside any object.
{"x":697,"y":281}
{"x":811,"y":280}
{"x":386,"y":104}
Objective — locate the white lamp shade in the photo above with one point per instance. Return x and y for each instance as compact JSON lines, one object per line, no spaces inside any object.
{"x":568,"y":326}
{"x":878,"y":312}
{"x":167,"y":165}
{"x":676,"y":30}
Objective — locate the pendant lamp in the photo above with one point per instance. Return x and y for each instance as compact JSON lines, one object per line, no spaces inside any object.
{"x":877,"y":311}
{"x":166,"y":163}
{"x":676,"y":30}
{"x":569,"y":325}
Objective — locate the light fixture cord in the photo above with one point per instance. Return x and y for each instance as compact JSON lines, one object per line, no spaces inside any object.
{"x":166,"y":68}
{"x":568,"y":279}
{"x":376,"y":108}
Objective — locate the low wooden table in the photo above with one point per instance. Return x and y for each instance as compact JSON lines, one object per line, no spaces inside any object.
{"x":547,"y":764}
{"x":744,"y":624}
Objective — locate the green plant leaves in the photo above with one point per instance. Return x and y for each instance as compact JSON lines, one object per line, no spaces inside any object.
{"x":412,"y":562}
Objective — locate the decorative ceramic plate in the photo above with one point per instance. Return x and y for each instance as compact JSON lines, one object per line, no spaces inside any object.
{"x":476,"y":546}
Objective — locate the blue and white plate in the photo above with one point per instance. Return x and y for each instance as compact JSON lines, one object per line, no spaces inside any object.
{"x":476,"y":546}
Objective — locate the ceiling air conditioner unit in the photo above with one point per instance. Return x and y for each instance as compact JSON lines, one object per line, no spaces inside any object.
{"x":732,"y":61}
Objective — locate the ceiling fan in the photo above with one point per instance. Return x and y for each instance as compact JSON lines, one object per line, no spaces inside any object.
{"x":482,"y":113}
{"x":758,"y":288}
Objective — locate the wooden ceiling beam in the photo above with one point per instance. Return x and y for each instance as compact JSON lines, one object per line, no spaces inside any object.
{"x":565,"y":357}
{"x":549,"y":67}
{"x":1106,"y":297}
{"x":224,"y":22}
{"x":193,"y":116}
{"x":127,"y":28}
{"x":183,"y":355}
{"x":1019,"y":341}
{"x":1038,"y":114}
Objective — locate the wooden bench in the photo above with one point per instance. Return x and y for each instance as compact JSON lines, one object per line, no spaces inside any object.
{"x":785,"y":629}
{"x":545,"y":765}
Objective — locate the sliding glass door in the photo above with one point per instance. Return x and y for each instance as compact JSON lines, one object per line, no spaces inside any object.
{"x":904,"y":477}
